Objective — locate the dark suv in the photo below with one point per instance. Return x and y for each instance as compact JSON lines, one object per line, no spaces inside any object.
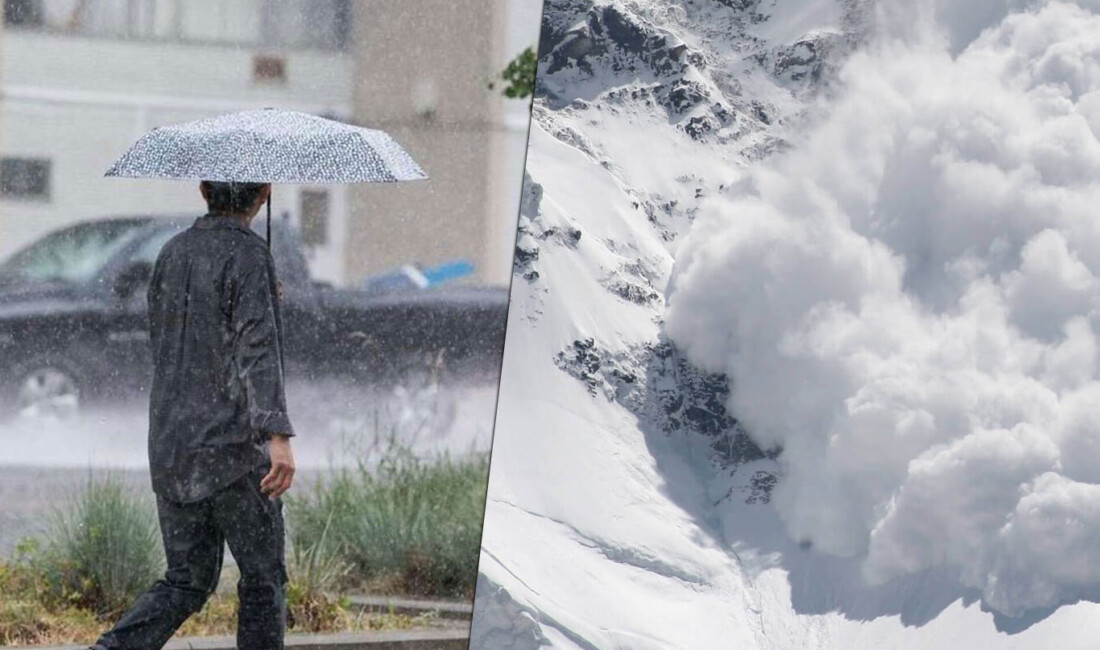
{"x":73,"y":319}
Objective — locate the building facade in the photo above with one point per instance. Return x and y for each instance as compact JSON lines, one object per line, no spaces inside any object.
{"x":432,"y":92}
{"x":81,"y":80}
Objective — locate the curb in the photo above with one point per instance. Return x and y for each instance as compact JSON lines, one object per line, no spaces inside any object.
{"x":396,"y":640}
{"x":445,"y":609}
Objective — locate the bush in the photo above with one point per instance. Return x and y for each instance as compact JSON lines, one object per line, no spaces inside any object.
{"x":29,"y":622}
{"x":24,"y":618}
{"x":416,"y":519}
{"x":519,"y":75}
{"x":315,"y":572}
{"x":103,"y":549}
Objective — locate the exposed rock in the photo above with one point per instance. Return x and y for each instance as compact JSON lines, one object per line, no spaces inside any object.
{"x":666,"y":393}
{"x":583,"y":37}
{"x":566,"y":236}
{"x":682,"y":96}
{"x":760,"y":486}
{"x":700,"y":126}
{"x":632,"y":292}
{"x":527,"y":248}
{"x":526,"y":253}
{"x":807,"y":63}
{"x":740,"y":5}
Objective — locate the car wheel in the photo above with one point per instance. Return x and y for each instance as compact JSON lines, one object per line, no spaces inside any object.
{"x":424,"y":401}
{"x":47,"y":391}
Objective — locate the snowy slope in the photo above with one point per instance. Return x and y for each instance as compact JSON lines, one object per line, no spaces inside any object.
{"x":627,"y":508}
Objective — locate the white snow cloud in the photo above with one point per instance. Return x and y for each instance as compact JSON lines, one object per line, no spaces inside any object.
{"x":908,"y":302}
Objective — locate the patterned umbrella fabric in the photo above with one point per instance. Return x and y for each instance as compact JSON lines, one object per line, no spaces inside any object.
{"x":268,"y":146}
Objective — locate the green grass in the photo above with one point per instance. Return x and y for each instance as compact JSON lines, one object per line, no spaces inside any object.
{"x":411,"y":524}
{"x":415,"y":520}
{"x":26,"y":615}
{"x":103,"y":548}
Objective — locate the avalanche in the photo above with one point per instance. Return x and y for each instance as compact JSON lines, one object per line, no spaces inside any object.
{"x":871,"y":219}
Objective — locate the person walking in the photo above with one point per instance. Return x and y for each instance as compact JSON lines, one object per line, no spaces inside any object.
{"x":219,"y":434}
{"x":219,"y":447}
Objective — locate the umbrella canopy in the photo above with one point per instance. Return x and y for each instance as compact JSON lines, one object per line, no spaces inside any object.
{"x":268,"y":146}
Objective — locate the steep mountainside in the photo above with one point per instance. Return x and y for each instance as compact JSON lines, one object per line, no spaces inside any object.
{"x":627,"y":506}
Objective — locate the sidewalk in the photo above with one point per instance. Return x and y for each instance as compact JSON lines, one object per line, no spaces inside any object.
{"x":457,"y":639}
{"x":442,"y":608}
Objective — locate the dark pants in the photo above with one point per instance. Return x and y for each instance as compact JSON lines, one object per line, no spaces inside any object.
{"x":194,"y":535}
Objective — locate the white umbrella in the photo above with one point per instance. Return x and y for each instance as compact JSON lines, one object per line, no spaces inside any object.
{"x":268,"y":146}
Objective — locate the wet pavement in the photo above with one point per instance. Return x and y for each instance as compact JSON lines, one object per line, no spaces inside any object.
{"x":44,"y":462}
{"x":30,"y":495}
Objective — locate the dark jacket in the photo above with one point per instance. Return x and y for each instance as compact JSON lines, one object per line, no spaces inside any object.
{"x":215,"y":331}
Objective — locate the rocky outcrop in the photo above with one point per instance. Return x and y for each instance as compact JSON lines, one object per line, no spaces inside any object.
{"x":668,"y":395}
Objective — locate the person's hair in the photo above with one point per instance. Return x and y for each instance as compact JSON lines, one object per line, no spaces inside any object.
{"x":230,"y":198}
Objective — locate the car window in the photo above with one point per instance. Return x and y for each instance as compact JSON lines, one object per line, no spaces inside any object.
{"x":75,"y":254}
{"x":290,"y":263}
{"x":150,"y":248}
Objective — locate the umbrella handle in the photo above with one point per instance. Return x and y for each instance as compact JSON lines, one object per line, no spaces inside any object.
{"x":269,"y":221}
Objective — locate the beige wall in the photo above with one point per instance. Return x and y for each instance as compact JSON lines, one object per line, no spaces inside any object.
{"x":438,"y":57}
{"x":3,"y":227}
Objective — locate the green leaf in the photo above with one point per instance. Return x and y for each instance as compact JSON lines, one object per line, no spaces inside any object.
{"x":519,"y":75}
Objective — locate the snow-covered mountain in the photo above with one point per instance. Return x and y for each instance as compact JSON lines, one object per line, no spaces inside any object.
{"x":701,"y":176}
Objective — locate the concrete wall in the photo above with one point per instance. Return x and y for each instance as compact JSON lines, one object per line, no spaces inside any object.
{"x":422,"y":75}
{"x":2,"y":39}
{"x":197,"y":71}
{"x":418,"y":70}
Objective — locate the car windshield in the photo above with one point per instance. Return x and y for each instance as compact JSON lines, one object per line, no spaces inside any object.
{"x":75,"y":254}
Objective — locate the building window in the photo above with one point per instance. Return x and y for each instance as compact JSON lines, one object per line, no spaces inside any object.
{"x":279,"y":24}
{"x":25,"y":178}
{"x":322,"y":24}
{"x":23,"y":13}
{"x":314,"y":212}
{"x":268,"y":69}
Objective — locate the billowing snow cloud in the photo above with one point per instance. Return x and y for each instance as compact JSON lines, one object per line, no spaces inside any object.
{"x":909,"y":303}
